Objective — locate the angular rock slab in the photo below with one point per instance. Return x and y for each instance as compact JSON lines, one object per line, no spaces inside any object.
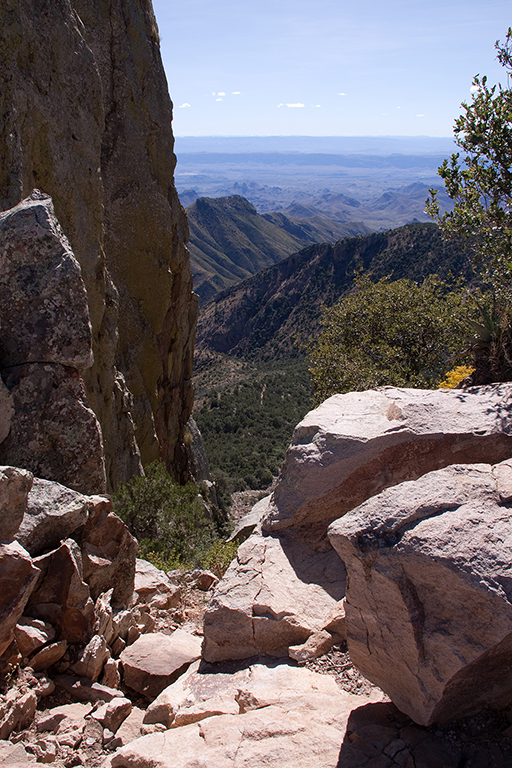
{"x":275,"y":594}
{"x":18,"y":577}
{"x":53,"y":512}
{"x":61,"y":597}
{"x":289,"y":718}
{"x":155,"y":660}
{"x":108,"y":553}
{"x":15,"y":485}
{"x":199,"y":693}
{"x":54,"y":433}
{"x":429,"y":597}
{"x":44,"y":315}
{"x":354,"y":445}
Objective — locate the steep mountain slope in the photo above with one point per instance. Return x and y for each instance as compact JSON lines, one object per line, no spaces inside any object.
{"x":230,"y":241}
{"x":262,"y":316}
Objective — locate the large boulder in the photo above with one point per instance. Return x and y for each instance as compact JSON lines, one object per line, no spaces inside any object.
{"x":273,"y":716}
{"x":108,"y":553}
{"x":155,"y":660}
{"x":354,"y":445}
{"x":53,"y":512}
{"x":87,"y":118}
{"x":429,"y":596}
{"x":275,"y":594}
{"x":286,"y":579}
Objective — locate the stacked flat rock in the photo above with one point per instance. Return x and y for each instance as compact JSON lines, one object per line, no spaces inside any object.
{"x":286,"y":581}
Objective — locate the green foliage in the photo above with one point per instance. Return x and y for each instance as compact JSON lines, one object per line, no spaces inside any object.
{"x":247,"y":426}
{"x":481,"y":183}
{"x":481,"y":187}
{"x":169,"y":520}
{"x":219,"y":556}
{"x":387,"y":333}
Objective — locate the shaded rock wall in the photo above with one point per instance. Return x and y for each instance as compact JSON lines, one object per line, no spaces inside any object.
{"x":86,"y":117}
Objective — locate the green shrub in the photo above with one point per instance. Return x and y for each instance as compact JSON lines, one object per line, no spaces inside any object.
{"x":170,"y":521}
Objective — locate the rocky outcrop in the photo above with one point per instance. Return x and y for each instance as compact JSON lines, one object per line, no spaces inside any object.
{"x":87,"y":119}
{"x":429,"y":614}
{"x":286,"y":580}
{"x":46,"y":344}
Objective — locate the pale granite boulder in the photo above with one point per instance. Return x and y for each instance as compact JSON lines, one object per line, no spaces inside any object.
{"x":150,"y":582}
{"x":155,"y":660}
{"x":287,"y":718}
{"x":429,"y":597}
{"x":53,"y":512}
{"x":354,"y":445}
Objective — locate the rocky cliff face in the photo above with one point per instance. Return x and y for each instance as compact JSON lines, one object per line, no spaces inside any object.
{"x":86,"y":118}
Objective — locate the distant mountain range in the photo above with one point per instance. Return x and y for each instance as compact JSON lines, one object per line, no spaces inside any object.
{"x":262,"y":316}
{"x":230,"y":240}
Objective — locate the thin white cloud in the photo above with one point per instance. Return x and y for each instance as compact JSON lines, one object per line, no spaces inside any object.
{"x":218,"y":99}
{"x":318,"y":105}
{"x":235,"y":93}
{"x":294,"y":106}
{"x":420,"y":115}
{"x":221,"y":93}
{"x":280,"y":105}
{"x":184,"y":105}
{"x":214,"y":93}
{"x":342,"y":94}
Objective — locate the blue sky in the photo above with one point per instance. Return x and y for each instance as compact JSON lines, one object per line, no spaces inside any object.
{"x":328,"y":67}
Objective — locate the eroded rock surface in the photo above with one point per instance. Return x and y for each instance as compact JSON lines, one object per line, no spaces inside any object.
{"x":87,"y":120}
{"x":429,"y":616}
{"x":275,"y":594}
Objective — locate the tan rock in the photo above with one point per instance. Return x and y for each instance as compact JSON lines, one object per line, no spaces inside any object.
{"x":17,"y":710}
{"x":85,"y":690}
{"x":316,"y":645}
{"x":18,"y":576}
{"x":354,"y":445}
{"x":32,"y":634}
{"x":48,"y":655}
{"x":156,"y":660}
{"x":275,"y":735}
{"x":429,"y":615}
{"x":108,"y":553}
{"x":61,"y":597}
{"x":275,"y":594}
{"x":92,"y":659}
{"x":111,"y":673}
{"x":150,"y":581}
{"x":112,"y":714}
{"x":130,"y":729}
{"x":15,"y":485}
